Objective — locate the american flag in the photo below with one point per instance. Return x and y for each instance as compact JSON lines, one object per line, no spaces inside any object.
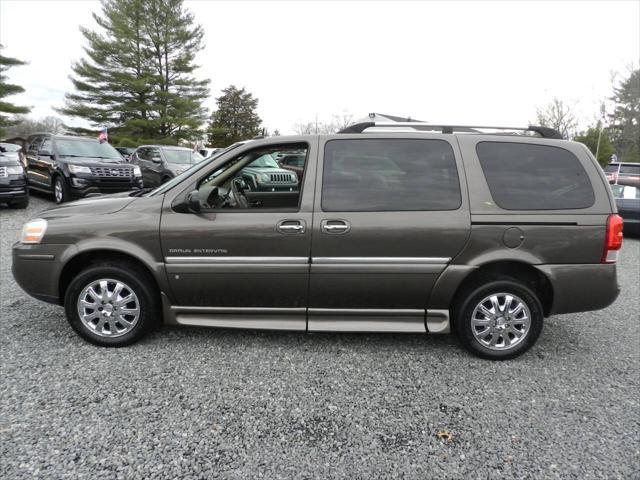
{"x":102,"y":137}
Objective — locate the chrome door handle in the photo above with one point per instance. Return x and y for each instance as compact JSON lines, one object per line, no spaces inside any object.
{"x":335,"y":226}
{"x":291,"y":226}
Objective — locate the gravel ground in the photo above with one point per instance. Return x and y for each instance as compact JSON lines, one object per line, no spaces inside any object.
{"x":204,"y":403}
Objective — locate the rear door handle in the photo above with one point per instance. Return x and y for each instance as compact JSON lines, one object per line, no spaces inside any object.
{"x":335,"y":226}
{"x":290,"y":227}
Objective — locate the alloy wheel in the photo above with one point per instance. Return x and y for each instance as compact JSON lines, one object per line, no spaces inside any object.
{"x":108,"y":308}
{"x":501,"y":321}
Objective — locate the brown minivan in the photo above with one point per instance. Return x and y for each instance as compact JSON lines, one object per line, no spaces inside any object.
{"x":476,"y":230}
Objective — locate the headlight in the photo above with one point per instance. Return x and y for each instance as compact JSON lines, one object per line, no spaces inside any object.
{"x":33,"y":231}
{"x":264,"y":177}
{"x":78,"y":168}
{"x":136,"y":171}
{"x":15,"y":170}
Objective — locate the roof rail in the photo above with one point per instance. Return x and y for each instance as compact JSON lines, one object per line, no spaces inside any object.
{"x":544,"y":132}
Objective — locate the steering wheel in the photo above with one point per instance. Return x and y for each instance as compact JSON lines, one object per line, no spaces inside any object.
{"x":238,"y":192}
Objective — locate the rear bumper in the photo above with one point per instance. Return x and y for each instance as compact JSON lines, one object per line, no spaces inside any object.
{"x":581,"y":288}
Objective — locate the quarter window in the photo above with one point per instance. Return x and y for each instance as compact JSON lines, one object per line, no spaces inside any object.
{"x":389,"y":175}
{"x":524,"y":176}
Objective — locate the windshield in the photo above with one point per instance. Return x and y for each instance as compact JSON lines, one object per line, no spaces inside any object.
{"x":189,"y":171}
{"x":86,"y":148}
{"x":9,"y":147}
{"x":265,"y":161}
{"x":182,"y":157}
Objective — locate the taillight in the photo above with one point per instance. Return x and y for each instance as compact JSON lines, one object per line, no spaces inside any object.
{"x":612,"y":239}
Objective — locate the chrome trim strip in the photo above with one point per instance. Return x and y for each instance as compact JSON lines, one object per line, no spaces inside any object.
{"x":380,"y":260}
{"x":240,"y":310}
{"x":238,"y":260}
{"x":35,"y":256}
{"x":437,"y":321}
{"x":399,"y":312}
{"x":259,"y":322}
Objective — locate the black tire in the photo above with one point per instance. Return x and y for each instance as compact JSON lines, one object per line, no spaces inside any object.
{"x":138,"y":281}
{"x":22,"y":203}
{"x":471,"y":297}
{"x":64,"y":189}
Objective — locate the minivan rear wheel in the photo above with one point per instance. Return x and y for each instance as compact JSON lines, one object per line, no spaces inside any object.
{"x":498,"y":320}
{"x":111,"y":306}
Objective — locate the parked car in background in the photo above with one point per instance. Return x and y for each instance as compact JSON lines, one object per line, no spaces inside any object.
{"x":159,"y":163}
{"x":623,"y":173}
{"x":13,"y":151}
{"x":126,"y":152}
{"x":207,"y":152}
{"x":13,"y":178}
{"x":483,"y":234}
{"x":628,"y":202}
{"x":72,"y":167}
{"x":293,"y":162}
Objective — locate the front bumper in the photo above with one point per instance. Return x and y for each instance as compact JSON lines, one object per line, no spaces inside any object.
{"x":13,"y":187}
{"x":81,"y":186}
{"x":37,"y":269}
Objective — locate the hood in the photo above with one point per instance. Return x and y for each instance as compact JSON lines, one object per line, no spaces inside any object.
{"x":97,"y":162}
{"x":7,"y":159}
{"x":174,"y":167}
{"x":93,"y":205}
{"x":266,"y":170}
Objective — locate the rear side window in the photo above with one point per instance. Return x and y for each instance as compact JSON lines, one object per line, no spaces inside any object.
{"x":534,"y":177}
{"x":630,"y":169}
{"x":389,"y":175}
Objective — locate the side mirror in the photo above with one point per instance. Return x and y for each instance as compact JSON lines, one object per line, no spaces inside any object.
{"x":156,"y":159}
{"x":193,"y":200}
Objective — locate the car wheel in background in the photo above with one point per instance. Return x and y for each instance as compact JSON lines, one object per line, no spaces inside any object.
{"x":60,"y":190}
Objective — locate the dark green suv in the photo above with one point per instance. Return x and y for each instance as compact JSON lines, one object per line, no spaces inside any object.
{"x":483,"y":233}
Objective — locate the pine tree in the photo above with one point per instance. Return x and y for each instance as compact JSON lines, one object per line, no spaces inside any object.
{"x":626,"y":125}
{"x":6,"y":90}
{"x":235,"y":118}
{"x":137,"y":77}
{"x":174,"y":41}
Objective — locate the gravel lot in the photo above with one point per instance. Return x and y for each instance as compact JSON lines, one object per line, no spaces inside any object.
{"x":204,"y":403}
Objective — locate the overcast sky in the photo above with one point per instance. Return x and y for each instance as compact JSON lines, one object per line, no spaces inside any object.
{"x":455,"y":62}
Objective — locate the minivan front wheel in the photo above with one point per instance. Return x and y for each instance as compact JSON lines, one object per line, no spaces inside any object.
{"x":499,"y":320}
{"x":111,"y":306}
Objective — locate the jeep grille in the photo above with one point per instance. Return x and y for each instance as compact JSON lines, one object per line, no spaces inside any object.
{"x":281,"y":178}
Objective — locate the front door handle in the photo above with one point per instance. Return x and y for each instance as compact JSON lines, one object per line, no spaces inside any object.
{"x":291,"y":226}
{"x":335,"y":226}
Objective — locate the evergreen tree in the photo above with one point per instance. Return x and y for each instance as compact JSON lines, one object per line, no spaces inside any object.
{"x":137,"y":77}
{"x":625,"y":129}
{"x":235,"y":118}
{"x":590,"y":139}
{"x":174,"y":41}
{"x":6,"y":90}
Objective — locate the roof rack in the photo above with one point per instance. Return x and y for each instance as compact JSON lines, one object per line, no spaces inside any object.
{"x":544,"y":132}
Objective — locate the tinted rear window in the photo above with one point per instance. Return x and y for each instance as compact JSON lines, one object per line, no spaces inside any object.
{"x":534,"y":177}
{"x":389,"y":175}
{"x":630,"y":169}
